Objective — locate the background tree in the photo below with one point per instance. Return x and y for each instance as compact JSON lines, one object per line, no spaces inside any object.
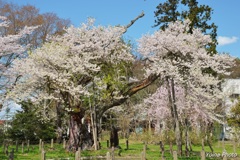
{"x":18,"y":18}
{"x":27,"y":125}
{"x":28,"y":15}
{"x":199,"y":15}
{"x":10,"y":48}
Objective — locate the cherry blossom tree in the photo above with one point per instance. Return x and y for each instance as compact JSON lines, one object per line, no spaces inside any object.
{"x":181,"y":59}
{"x":74,"y":69}
{"x":192,"y":109}
{"x":10,"y":49}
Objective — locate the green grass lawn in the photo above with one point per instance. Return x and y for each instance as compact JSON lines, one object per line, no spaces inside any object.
{"x":134,"y":151}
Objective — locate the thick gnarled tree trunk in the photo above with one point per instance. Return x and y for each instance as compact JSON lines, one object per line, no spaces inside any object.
{"x":79,"y":136}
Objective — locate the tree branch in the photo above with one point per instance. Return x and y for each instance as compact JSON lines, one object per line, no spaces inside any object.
{"x":133,"y":21}
{"x":139,"y":86}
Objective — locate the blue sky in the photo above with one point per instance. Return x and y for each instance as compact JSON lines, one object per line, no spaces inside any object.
{"x":110,"y":12}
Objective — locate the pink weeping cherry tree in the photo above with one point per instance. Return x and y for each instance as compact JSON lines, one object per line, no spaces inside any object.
{"x":181,"y":58}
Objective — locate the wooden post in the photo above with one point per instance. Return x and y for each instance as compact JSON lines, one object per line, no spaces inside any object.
{"x":16,"y":145}
{"x":108,"y":157}
{"x":127,"y":144}
{"x":113,"y":156}
{"x":142,"y":156}
{"x":43,"y":155}
{"x":171,"y":148}
{"x":224,"y":157}
{"x":28,"y":145}
{"x":107,"y":143}
{"x":223,"y":144}
{"x":11,"y":156}
{"x":40,"y":144}
{"x":175,"y":157}
{"x":79,"y":153}
{"x":162,"y":148}
{"x":76,"y":156}
{"x":234,"y":146}
{"x":22,"y":147}
{"x":144,"y":150}
{"x":64,"y":143}
{"x":203,"y":157}
{"x":202,"y":143}
{"x":6,"y":149}
{"x":99,"y":145}
{"x":51,"y":143}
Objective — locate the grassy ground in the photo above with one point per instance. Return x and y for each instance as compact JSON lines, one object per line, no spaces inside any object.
{"x":133,"y":153}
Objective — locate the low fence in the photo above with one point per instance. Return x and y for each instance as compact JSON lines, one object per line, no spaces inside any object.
{"x":110,"y":155}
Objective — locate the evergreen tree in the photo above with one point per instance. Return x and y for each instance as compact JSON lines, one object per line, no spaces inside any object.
{"x":199,"y":15}
{"x":26,"y":125}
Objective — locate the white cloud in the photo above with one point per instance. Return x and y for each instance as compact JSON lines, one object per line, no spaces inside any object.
{"x":226,"y":40}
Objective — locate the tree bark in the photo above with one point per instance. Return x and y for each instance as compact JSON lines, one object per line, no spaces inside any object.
{"x":133,"y":88}
{"x":78,"y":133}
{"x":209,"y":135}
{"x":174,"y":113}
{"x":177,"y":129}
{"x":162,"y":148}
{"x":114,"y":140}
{"x":186,"y":138}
